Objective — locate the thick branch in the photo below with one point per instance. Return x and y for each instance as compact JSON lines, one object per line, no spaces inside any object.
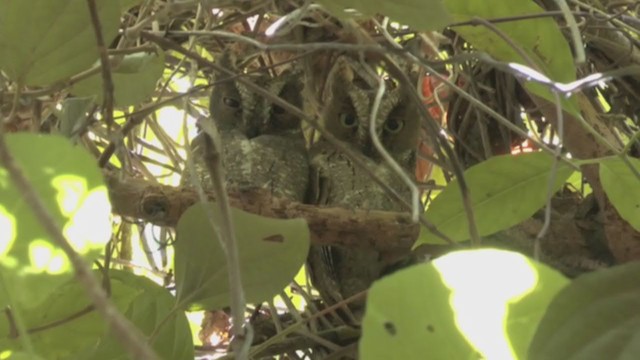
{"x":163,"y":205}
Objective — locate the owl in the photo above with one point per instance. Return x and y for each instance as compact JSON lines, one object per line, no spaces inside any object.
{"x":336,"y":272}
{"x":262,"y":145}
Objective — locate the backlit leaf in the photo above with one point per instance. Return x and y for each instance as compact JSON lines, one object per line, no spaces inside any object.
{"x":465,"y":305}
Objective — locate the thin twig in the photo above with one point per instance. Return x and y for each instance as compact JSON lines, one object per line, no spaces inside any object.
{"x":213,"y":161}
{"x":552,"y":179}
{"x":576,"y":36}
{"x":415,"y":192}
{"x":107,"y":81}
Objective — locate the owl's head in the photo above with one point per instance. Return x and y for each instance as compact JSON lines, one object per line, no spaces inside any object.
{"x":234,"y":106}
{"x":350,"y":94}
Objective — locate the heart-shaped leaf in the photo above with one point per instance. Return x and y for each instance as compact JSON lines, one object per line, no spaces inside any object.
{"x":271,"y":253}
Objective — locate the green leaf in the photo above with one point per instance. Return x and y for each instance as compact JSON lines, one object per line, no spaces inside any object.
{"x":622,"y":187}
{"x":134,"y":79}
{"x":464,"y":303}
{"x":271,"y":253}
{"x":73,"y":116}
{"x":596,"y":317}
{"x":541,"y":39}
{"x":71,"y":186}
{"x":61,"y":324}
{"x":504,"y":191}
{"x":153,"y":307}
{"x":425,"y":15}
{"x":44,"y":41}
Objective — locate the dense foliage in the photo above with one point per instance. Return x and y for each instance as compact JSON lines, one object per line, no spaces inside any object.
{"x":529,"y":144}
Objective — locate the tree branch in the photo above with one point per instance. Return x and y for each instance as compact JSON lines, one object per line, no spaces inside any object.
{"x":388,"y":232}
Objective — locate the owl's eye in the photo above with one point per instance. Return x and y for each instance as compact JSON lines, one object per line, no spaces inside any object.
{"x":230,"y":102}
{"x":393,"y":125}
{"x":348,"y":120}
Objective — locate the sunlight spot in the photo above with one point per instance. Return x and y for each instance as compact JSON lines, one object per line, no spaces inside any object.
{"x":45,"y":257}
{"x":70,"y":190}
{"x":7,"y":230}
{"x":89,"y":227}
{"x":483,"y":284}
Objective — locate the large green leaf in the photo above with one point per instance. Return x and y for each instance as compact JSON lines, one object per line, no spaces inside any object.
{"x":44,"y":41}
{"x":622,"y":187}
{"x":596,"y":317}
{"x":271,"y":253}
{"x":468,"y":302}
{"x":60,"y":325}
{"x":504,"y":191}
{"x":71,"y":186}
{"x":134,"y":79}
{"x":540,"y":38}
{"x":154,"y":306}
{"x":425,"y":15}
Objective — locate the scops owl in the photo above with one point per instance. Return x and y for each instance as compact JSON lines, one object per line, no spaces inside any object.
{"x":262,"y":145}
{"x":336,"y":272}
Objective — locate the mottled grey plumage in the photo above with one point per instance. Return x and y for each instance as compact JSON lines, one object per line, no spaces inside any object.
{"x":262,"y":145}
{"x":337,"y":272}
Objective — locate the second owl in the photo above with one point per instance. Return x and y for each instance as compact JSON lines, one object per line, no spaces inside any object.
{"x":337,"y":272}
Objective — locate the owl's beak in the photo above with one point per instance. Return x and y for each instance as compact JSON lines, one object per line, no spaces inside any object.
{"x":250,"y":127}
{"x":251,"y":131}
{"x":366,"y":143}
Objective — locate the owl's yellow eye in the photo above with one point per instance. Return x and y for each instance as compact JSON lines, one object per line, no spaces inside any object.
{"x":393,"y":125}
{"x":230,"y":102}
{"x":348,"y":120}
